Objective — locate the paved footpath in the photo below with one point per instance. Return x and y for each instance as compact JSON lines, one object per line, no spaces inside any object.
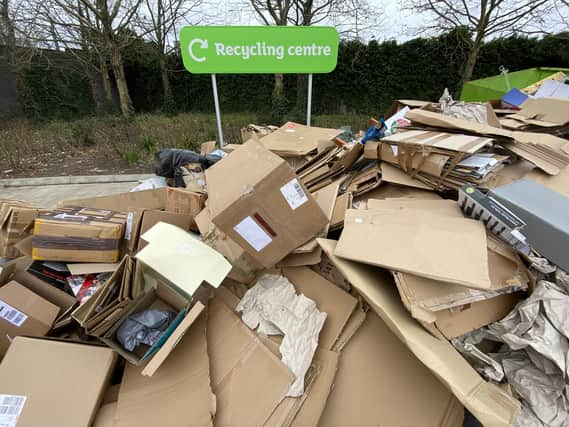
{"x":47,"y":192}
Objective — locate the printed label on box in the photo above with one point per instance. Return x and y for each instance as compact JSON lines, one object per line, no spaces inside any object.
{"x":294,"y":194}
{"x":253,"y":233}
{"x":128,"y":228}
{"x":12,"y":315}
{"x":10,"y":409}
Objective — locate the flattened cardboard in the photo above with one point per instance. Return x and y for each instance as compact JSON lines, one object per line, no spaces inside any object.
{"x":50,"y":374}
{"x":545,"y":112}
{"x":264,"y":207}
{"x":380,"y":382}
{"x":16,"y":223}
{"x":40,"y":314}
{"x":326,"y":365}
{"x":395,"y":175}
{"x":179,"y":390}
{"x":394,"y":191}
{"x":343,"y":202}
{"x":329,"y":298}
{"x":91,"y":268}
{"x":439,"y":247}
{"x":152,"y":217}
{"x":354,"y":323}
{"x":559,"y":183}
{"x":17,"y":270}
{"x":293,"y":139}
{"x":487,"y":402}
{"x":147,"y":199}
{"x":106,"y":415}
{"x":440,"y":140}
{"x":248,"y":380}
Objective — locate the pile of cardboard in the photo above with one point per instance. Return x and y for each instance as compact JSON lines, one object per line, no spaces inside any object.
{"x":317,"y":281}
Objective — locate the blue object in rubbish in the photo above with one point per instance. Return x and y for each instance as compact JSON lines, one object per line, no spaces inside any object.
{"x":375,"y":131}
{"x":515,"y":97}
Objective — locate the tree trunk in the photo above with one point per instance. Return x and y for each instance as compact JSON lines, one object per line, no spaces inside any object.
{"x":9,"y":29}
{"x":165,"y":79}
{"x":92,"y":77}
{"x":301,"y":92}
{"x":120,"y":77}
{"x":278,"y":91}
{"x":106,"y":84}
{"x":470,"y":64}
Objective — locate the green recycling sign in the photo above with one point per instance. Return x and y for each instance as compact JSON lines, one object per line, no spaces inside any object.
{"x":259,"y":50}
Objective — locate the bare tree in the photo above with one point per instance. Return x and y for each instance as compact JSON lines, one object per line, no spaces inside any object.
{"x":274,"y":12}
{"x":483,"y":18}
{"x":100,"y":27}
{"x":159,"y":20}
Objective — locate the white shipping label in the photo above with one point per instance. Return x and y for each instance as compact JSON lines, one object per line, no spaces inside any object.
{"x":128,"y":228}
{"x":12,"y":315}
{"x":294,"y":194}
{"x":10,"y":409}
{"x":253,"y":233}
{"x":395,"y":150}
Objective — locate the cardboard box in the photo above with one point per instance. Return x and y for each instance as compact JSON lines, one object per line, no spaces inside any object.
{"x":183,"y":201}
{"x":257,"y":200}
{"x":23,"y":313}
{"x":16,"y":223}
{"x":179,"y":390}
{"x":54,"y":383}
{"x":545,"y":213}
{"x":78,"y":234}
{"x":490,"y":404}
{"x":169,"y":273}
{"x":380,"y":382}
{"x":17,"y":270}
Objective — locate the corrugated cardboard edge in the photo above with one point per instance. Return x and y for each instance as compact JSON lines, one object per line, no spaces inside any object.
{"x":488,"y":403}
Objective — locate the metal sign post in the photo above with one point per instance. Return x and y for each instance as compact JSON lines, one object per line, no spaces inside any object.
{"x":217,"y":112}
{"x":309,"y":101}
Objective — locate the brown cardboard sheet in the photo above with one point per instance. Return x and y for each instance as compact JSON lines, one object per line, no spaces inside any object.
{"x":487,"y":402}
{"x":436,"y":246}
{"x":380,"y":383}
{"x":152,"y":217}
{"x":394,"y":175}
{"x":50,"y":374}
{"x":179,"y":390}
{"x":329,"y":298}
{"x":249,"y":381}
{"x":293,"y":139}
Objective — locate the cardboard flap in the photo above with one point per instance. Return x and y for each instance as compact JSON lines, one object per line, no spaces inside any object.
{"x":395,"y":175}
{"x":173,"y":340}
{"x":92,"y":268}
{"x":293,"y":139}
{"x":487,"y":402}
{"x":182,"y":259}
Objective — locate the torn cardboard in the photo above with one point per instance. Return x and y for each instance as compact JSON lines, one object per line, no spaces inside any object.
{"x":242,"y":370}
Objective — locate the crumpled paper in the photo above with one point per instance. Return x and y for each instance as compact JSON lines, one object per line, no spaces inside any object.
{"x":471,"y":111}
{"x":273,"y":308}
{"x":534,"y":355}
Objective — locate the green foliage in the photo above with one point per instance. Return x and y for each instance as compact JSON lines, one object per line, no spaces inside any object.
{"x":366,"y":81}
{"x":131,"y":155}
{"x":148,"y":143}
